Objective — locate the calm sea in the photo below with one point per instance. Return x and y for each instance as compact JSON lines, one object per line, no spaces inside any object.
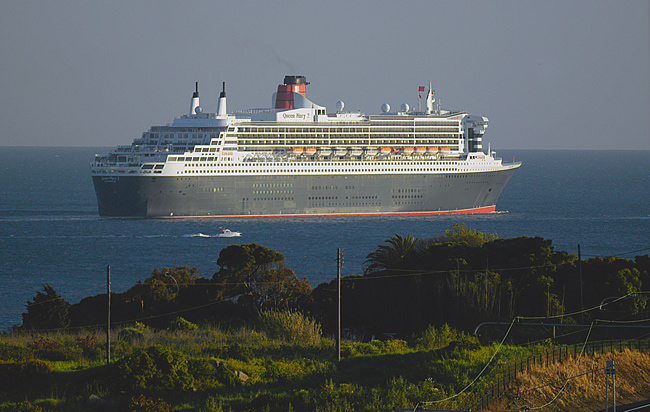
{"x":50,"y":232}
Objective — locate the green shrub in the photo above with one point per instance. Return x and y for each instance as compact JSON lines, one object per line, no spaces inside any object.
{"x":212,"y":404}
{"x":25,"y":371}
{"x":290,"y":327}
{"x":287,"y":370}
{"x":350,"y":349}
{"x":238,"y":351}
{"x":154,"y":369}
{"x":24,"y":406}
{"x":180,"y":324}
{"x":88,"y":346}
{"x":390,"y":346}
{"x":49,"y":350}
{"x":9,"y":352}
{"x":131,"y":335}
{"x":433,"y":338}
{"x":212,"y":373}
{"x":144,"y":404}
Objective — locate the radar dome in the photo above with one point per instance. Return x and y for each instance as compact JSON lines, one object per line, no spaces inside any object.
{"x":198,"y":110}
{"x":404,"y":107}
{"x":340,"y":105}
{"x":385,"y":108}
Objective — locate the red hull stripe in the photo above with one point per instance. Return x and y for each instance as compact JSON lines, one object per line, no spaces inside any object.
{"x":486,"y":209}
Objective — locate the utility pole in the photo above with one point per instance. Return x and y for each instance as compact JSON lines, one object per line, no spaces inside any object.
{"x":339,"y":263}
{"x":108,"y":324}
{"x":582,"y":305}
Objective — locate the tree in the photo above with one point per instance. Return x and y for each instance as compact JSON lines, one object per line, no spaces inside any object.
{"x":47,"y":311}
{"x":460,"y":234}
{"x":390,"y":256}
{"x":255,"y":276}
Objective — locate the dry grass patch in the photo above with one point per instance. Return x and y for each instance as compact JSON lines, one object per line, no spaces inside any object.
{"x":567,"y":387}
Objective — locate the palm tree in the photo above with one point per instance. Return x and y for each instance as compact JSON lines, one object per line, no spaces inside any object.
{"x":391,"y":255}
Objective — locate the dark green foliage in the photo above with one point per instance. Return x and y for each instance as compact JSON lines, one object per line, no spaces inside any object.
{"x":461,"y":235}
{"x":50,"y":350}
{"x":145,"y":404}
{"x":256,"y":278}
{"x":87,"y":345}
{"x":12,"y":373}
{"x":180,"y":324}
{"x":15,"y":353}
{"x":130,"y":335}
{"x":24,"y":406}
{"x":155,"y":369}
{"x":211,"y":374}
{"x":47,"y":311}
{"x":436,"y":338}
{"x":393,"y":255}
{"x":290,"y":327}
{"x":238,"y":351}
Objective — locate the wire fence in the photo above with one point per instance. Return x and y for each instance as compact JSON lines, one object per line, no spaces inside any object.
{"x":508,"y":373}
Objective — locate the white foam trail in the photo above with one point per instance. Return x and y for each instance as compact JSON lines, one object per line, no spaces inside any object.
{"x":197,"y":235}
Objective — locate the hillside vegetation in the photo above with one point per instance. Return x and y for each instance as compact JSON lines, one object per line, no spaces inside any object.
{"x":255,"y":337}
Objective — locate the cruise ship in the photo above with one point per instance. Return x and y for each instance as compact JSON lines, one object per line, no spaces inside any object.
{"x":299,"y":159}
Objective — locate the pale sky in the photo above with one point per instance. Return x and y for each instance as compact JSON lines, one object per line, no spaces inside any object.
{"x":548,"y":74}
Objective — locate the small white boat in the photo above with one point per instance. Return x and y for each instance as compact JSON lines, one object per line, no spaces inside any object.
{"x":228,"y":233}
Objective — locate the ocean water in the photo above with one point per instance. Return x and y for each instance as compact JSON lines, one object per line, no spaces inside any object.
{"x":50,"y":232}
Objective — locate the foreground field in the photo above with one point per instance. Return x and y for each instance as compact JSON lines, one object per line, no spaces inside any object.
{"x":274,"y":367}
{"x":282,"y":363}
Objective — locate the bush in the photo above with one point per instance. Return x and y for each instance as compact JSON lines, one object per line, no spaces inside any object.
{"x":145,"y":404}
{"x":212,"y":373}
{"x":238,"y":351}
{"x":9,"y":352}
{"x":433,"y":338}
{"x":88,"y":346}
{"x":290,"y":327}
{"x":180,"y":324}
{"x":50,"y":350}
{"x":390,"y":346}
{"x":24,"y":406}
{"x":131,"y":334}
{"x":26,"y":371}
{"x":350,"y":349}
{"x":154,"y":369}
{"x":212,"y":404}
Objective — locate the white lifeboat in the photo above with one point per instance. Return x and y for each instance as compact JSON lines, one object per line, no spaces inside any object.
{"x":356,"y":151}
{"x":340,"y":151}
{"x":420,"y":150}
{"x":297,"y":151}
{"x":324,"y":151}
{"x":407,"y":150}
{"x":385,"y":150}
{"x":309,"y":151}
{"x":370,"y":151}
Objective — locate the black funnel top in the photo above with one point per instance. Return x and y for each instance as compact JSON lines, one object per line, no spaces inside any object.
{"x":295,"y":79}
{"x":223,"y":93}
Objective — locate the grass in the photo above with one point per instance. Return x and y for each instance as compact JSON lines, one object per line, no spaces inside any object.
{"x":580,"y":386}
{"x":284,"y":372}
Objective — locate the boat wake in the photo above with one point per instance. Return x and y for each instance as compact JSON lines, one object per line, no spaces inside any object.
{"x":198,"y":235}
